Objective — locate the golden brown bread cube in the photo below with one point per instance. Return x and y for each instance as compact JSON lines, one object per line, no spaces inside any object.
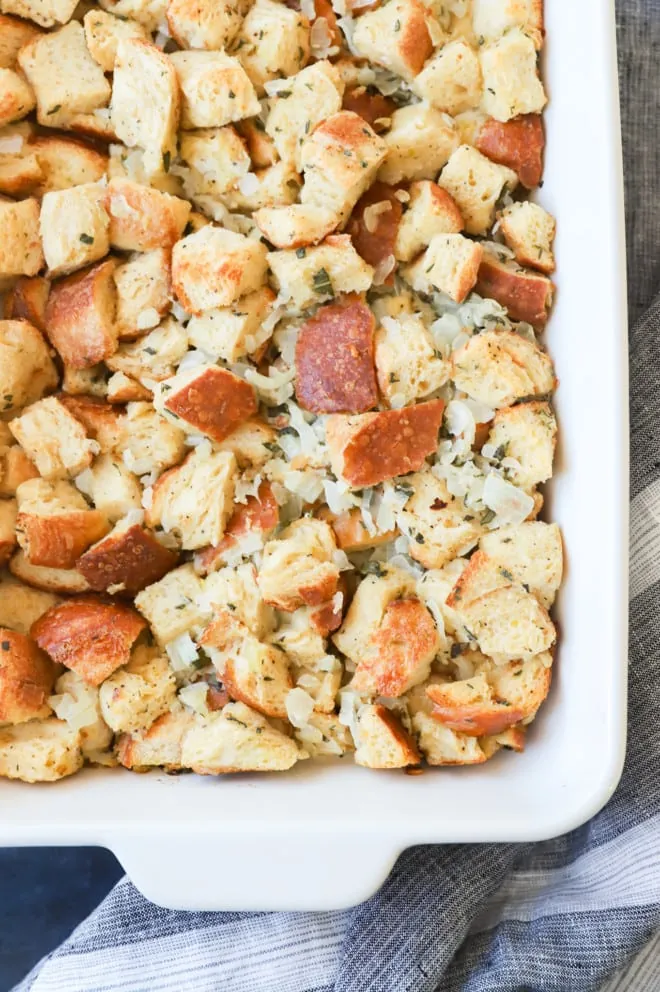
{"x":27,"y":301}
{"x":8,"y":537}
{"x":526,"y":294}
{"x":80,"y":316}
{"x":395,"y":36}
{"x":74,"y":227}
{"x":26,"y":368}
{"x":66,"y":581}
{"x":259,"y":515}
{"x":159,"y":745}
{"x":237,"y":739}
{"x":20,"y":244}
{"x":298,"y":567}
{"x":129,"y":557}
{"x":381,"y":741}
{"x":207,"y":399}
{"x":374,"y":228}
{"x":54,"y":439}
{"x":54,"y":524}
{"x":40,"y":751}
{"x":518,"y":144}
{"x":399,"y":653}
{"x":142,"y":218}
{"x":27,"y":676}
{"x":213,"y":267}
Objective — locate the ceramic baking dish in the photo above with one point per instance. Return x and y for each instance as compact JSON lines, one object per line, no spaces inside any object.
{"x":325,"y":836}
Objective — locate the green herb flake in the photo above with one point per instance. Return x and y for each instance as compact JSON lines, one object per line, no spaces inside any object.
{"x":53,"y":110}
{"x":5,"y":645}
{"x":301,"y":252}
{"x":322,"y":283}
{"x":87,"y":239}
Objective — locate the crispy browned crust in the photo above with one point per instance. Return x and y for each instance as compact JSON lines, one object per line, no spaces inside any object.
{"x":370,"y":105}
{"x":335,"y":359}
{"x":527,"y":295}
{"x":415,"y":43}
{"x":402,"y":737}
{"x":372,"y":447}
{"x":460,"y":596}
{"x":324,"y":9}
{"x":131,"y":391}
{"x":260,"y":514}
{"x":327,"y":618}
{"x":215,"y":403}
{"x":518,"y":144}
{"x":375,"y":246}
{"x":155,"y":220}
{"x":27,"y":301}
{"x":133,"y":559}
{"x":485,"y":717}
{"x":27,"y":676}
{"x":80,"y":316}
{"x":350,"y":531}
{"x":237,"y":691}
{"x":319,"y":592}
{"x":57,"y":541}
{"x":57,"y":580}
{"x":405,"y":638}
{"x":89,"y":636}
{"x":96,"y":416}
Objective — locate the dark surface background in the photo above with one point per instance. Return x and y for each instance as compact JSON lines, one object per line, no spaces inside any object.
{"x":44,"y":895}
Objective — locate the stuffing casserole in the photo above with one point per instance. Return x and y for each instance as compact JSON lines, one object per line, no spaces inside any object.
{"x":275,"y":411}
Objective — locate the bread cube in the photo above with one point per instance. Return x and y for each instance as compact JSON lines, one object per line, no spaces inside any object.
{"x":235,"y":590}
{"x":529,"y":231}
{"x":145,"y":77}
{"x":143,"y":293}
{"x":137,"y":694}
{"x":407,"y":365}
{"x":26,"y":301}
{"x":208,"y":400}
{"x":77,"y":703}
{"x":335,"y":358}
{"x":438,"y":524}
{"x":450,"y":265}
{"x":499,"y":367}
{"x":153,"y":357}
{"x":74,"y":228}
{"x":296,"y":225}
{"x":442,"y":746}
{"x":101,"y":420}
{"x":258,"y":516}
{"x":160,"y":745}
{"x":21,"y":605}
{"x":20,"y":242}
{"x":54,"y":524}
{"x":7,"y":529}
{"x":66,"y":581}
{"x":16,"y":97}
{"x":54,"y":440}
{"x":64,"y":76}
{"x":150,"y":442}
{"x":251,"y":442}
{"x":339,"y":161}
{"x":15,"y":468}
{"x":491,"y":18}
{"x":215,"y":89}
{"x":273,"y":42}
{"x":381,"y":741}
{"x":26,"y":679}
{"x":310,"y":275}
{"x":46,"y":13}
{"x":217,"y":159}
{"x":399,"y":653}
{"x":373,"y":227}
{"x":451,"y":80}
{"x":431,"y":210}
{"x":365,"y":614}
{"x":276,"y":186}
{"x":104,"y":31}
{"x":526,"y":294}
{"x":532,"y":553}
{"x":89,"y":636}
{"x":170,"y":605}
{"x":323,"y":736}
{"x":80,"y":316}
{"x":368,"y":448}
{"x":476,"y":184}
{"x":232,"y":332}
{"x":518,"y":144}
{"x":19,"y":173}
{"x":395,"y":36}
{"x":260,"y":145}
{"x":213,"y":267}
{"x":144,"y":219}
{"x":350,"y":531}
{"x":314,"y":94}
{"x":40,"y":751}
{"x":511,"y":81}
{"x":122,"y":389}
{"x":14,"y":34}
{"x":204,"y":23}
{"x":129,"y":559}
{"x":526,"y":433}
{"x":237,"y":740}
{"x":113,"y":490}
{"x":298,"y":568}
{"x":66,"y":162}
{"x":26,"y":368}
{"x":418,"y":144}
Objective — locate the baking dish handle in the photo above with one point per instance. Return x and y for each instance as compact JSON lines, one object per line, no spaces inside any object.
{"x":246,"y":871}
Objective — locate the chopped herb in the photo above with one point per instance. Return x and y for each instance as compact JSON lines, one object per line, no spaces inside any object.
{"x":233,"y":719}
{"x":149,"y":351}
{"x":167,"y":158}
{"x":273,"y":447}
{"x":500,"y":452}
{"x":525,"y":587}
{"x":231,"y":95}
{"x":487,"y":516}
{"x":284,"y":94}
{"x":470,"y":635}
{"x":181,"y":606}
{"x":419,"y":538}
{"x":288,"y":430}
{"x":5,"y":645}
{"x":374,"y":568}
{"x":404,"y":488}
{"x":268,"y":678}
{"x":258,"y":730}
{"x":506,"y":574}
{"x":322,"y":284}
{"x":301,"y":252}
{"x":259,"y":124}
{"x":397,"y":25}
{"x":53,"y":110}
{"x":87,"y":239}
{"x":394,"y":377}
{"x":457,"y":649}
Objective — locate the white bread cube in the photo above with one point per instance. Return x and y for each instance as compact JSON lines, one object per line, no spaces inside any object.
{"x":65,"y":78}
{"x":442,"y":746}
{"x":314,"y":93}
{"x":339,"y":161}
{"x":532,"y":553}
{"x":324,"y":736}
{"x":273,"y":42}
{"x":236,"y":589}
{"x":396,"y":36}
{"x":476,"y":185}
{"x":250,"y":442}
{"x":40,"y":751}
{"x":217,"y":160}
{"x":150,"y":442}
{"x":14,"y":35}
{"x":204,"y":23}
{"x":215,"y":89}
{"x":311,"y":277}
{"x":153,"y":357}
{"x":45,"y":13}
{"x":438,"y":524}
{"x":499,"y":367}
{"x":17,"y":97}
{"x":526,"y":433}
{"x":15,"y":468}
{"x":259,"y":144}
{"x":66,"y":581}
{"x":77,"y":703}
{"x":368,"y":606}
{"x":450,"y":265}
{"x":113,"y":490}
{"x":276,"y":186}
{"x":53,"y":438}
{"x":511,"y":80}
{"x":104,"y":31}
{"x":66,"y":162}
{"x":381,"y":741}
{"x":418,"y":144}
{"x":150,"y":13}
{"x":170,"y":605}
{"x":237,"y":740}
{"x":145,"y":78}
{"x":298,"y":568}
{"x":430,"y":211}
{"x":529,"y":231}
{"x":19,"y":173}
{"x":232,"y":332}
{"x":74,"y":228}
{"x":143,"y":293}
{"x":407,"y":365}
{"x":20,"y":241}
{"x":143,"y":219}
{"x":160,"y":745}
{"x":122,"y":389}
{"x":101,"y":420}
{"x":21,"y":605}
{"x":213,"y":267}
{"x":297,"y":225}
{"x":137,"y":694}
{"x":451,"y":80}
{"x":493,"y":18}
{"x":54,"y":524}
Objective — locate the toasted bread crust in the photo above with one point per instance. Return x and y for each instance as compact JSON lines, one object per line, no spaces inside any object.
{"x":80,"y":316}
{"x":132,"y":558}
{"x":215,"y":403}
{"x":518,"y":144}
{"x":27,"y":676}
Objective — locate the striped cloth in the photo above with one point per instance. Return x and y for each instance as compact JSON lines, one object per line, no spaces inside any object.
{"x":574,"y":914}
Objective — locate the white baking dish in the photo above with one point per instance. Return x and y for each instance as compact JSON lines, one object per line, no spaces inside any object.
{"x":325,"y":836}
